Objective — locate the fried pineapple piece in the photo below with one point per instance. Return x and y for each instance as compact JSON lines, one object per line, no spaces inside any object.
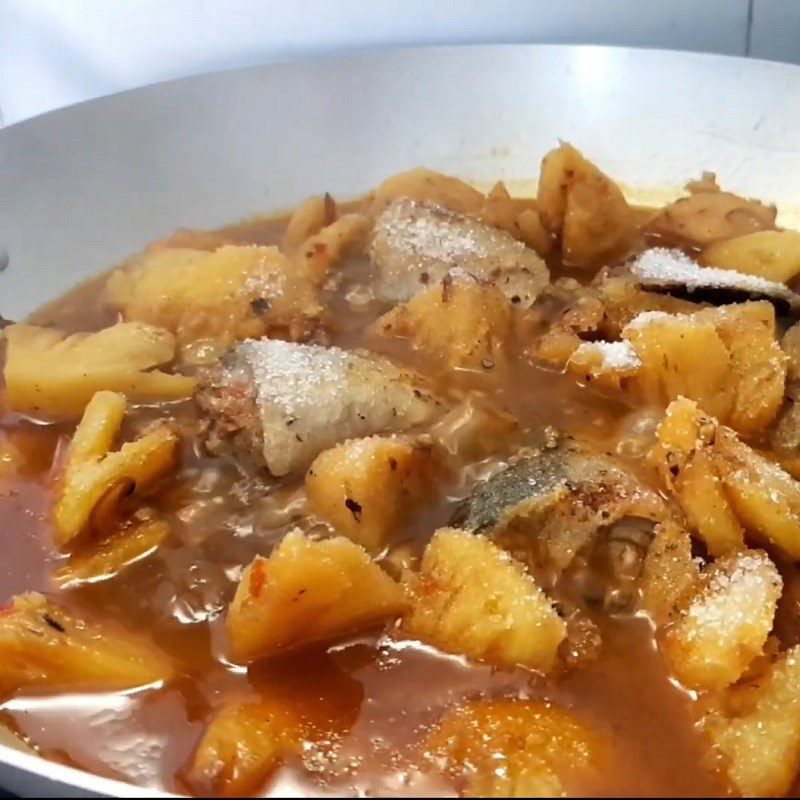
{"x":723,"y":485}
{"x":308,"y":591}
{"x":773,"y":255}
{"x":463,"y":322}
{"x":109,"y":556}
{"x":758,"y":730}
{"x":685,"y":458}
{"x":668,"y":572}
{"x":764,"y":497}
{"x":308,"y":219}
{"x":43,"y":646}
{"x":519,"y":216}
{"x":93,"y":471}
{"x":706,"y":217}
{"x":242,"y":745}
{"x":585,"y":207}
{"x":365,"y":488}
{"x":667,"y":347}
{"x":740,"y":379}
{"x":742,"y":374}
{"x":52,"y":376}
{"x":216,"y":298}
{"x":512,"y":748}
{"x":414,"y":245}
{"x":472,"y":598}
{"x":722,"y":624}
{"x":320,"y":252}
{"x":758,"y":364}
{"x":428,"y":186}
{"x":622,"y":301}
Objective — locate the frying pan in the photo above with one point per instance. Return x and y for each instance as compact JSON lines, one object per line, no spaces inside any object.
{"x":83,"y":187}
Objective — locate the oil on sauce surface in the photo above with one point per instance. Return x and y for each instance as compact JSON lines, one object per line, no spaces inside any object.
{"x":383,"y":692}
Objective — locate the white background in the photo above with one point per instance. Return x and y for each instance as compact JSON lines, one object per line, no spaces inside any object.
{"x":57,"y":52}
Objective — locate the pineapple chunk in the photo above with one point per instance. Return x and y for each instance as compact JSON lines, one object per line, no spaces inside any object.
{"x":93,"y":473}
{"x":511,"y":748}
{"x":757,"y":362}
{"x":220,"y":297}
{"x":48,"y":375}
{"x":425,"y":185}
{"x":758,"y":733}
{"x":668,"y":572}
{"x":518,"y":216}
{"x":707,"y":217}
{"x":308,"y":219}
{"x":667,"y":346}
{"x":365,"y":488}
{"x":722,"y":484}
{"x":43,"y":646}
{"x":468,"y":325}
{"x":308,"y":591}
{"x":774,"y":255}
{"x":470,"y":597}
{"x":685,"y":459}
{"x":108,"y":557}
{"x":723,"y":624}
{"x":764,"y":496}
{"x":584,"y":206}
{"x":621,"y":301}
{"x":325,"y":248}
{"x":242,"y":745}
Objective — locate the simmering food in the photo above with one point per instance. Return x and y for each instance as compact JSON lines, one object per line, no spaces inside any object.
{"x":435,"y":492}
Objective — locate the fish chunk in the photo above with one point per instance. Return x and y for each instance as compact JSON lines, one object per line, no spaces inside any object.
{"x":416,"y":244}
{"x":547,"y":505}
{"x":280,"y":404}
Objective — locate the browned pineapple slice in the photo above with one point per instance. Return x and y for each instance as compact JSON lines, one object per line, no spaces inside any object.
{"x":518,"y":216}
{"x":53,"y":376}
{"x":320,"y":252}
{"x":722,"y":625}
{"x":508,"y":748}
{"x":667,"y":346}
{"x":706,"y":217}
{"x":242,"y":745}
{"x":464,"y":323}
{"x":425,"y":185}
{"x":668,"y":572}
{"x":365,"y":488}
{"x":216,"y":298}
{"x":109,"y":556}
{"x":93,"y":471}
{"x":686,"y":461}
{"x":308,"y":219}
{"x":43,"y":646}
{"x":774,"y":255}
{"x":472,"y":598}
{"x":308,"y":591}
{"x":758,"y":365}
{"x":758,"y":732}
{"x":584,"y":206}
{"x":765,"y":497}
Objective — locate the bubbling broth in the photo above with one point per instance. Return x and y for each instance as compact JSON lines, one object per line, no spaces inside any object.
{"x":593,"y":615}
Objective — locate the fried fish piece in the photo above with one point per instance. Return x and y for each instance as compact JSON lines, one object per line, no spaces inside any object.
{"x":280,"y":404}
{"x":416,"y":244}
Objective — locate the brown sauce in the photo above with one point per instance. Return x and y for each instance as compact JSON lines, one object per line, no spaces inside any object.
{"x":386,"y":693}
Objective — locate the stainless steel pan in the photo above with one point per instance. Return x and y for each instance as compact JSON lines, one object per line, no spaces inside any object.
{"x":83,"y":187}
